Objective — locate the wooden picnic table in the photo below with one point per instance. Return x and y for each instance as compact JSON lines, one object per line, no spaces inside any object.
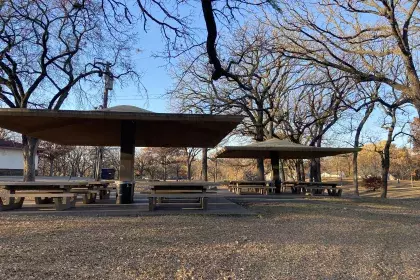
{"x":178,"y":191}
{"x":62,"y":193}
{"x":261,"y":187}
{"x":59,"y":191}
{"x":313,"y":187}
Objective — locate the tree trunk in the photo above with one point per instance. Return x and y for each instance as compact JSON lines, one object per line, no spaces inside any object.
{"x":385,"y":172}
{"x":385,"y":162}
{"x":204,"y":175}
{"x":189,"y":171}
{"x":298,"y":171}
{"x":51,"y":167}
{"x":313,"y":171}
{"x":260,"y":138}
{"x":275,"y":169}
{"x":98,"y":167}
{"x":355,"y":174}
{"x":385,"y":156}
{"x":356,"y":145}
{"x":164,"y":172}
{"x":30,"y":146}
{"x":318,"y":169}
{"x":302,"y":170}
{"x":282,"y":174}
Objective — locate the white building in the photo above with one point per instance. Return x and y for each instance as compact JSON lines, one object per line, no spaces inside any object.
{"x":11,"y":158}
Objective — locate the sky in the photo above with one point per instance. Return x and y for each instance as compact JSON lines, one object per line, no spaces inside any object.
{"x":155,"y":77}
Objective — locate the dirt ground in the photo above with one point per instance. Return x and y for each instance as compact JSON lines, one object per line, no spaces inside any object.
{"x":321,"y":238}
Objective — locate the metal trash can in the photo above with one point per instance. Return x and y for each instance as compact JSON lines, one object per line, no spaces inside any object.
{"x":125,"y":192}
{"x":277,"y":184}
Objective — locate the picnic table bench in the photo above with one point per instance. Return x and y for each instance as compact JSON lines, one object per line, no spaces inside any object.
{"x":261,"y":187}
{"x":178,"y":192}
{"x":314,"y":188}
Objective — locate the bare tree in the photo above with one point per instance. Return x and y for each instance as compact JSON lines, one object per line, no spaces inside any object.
{"x":311,"y":110}
{"x":190,"y":155}
{"x":167,"y":157}
{"x":364,"y":101}
{"x":49,"y":49}
{"x":51,"y":152}
{"x":355,"y":37}
{"x":80,"y":161}
{"x":268,"y":76}
{"x":391,"y":102}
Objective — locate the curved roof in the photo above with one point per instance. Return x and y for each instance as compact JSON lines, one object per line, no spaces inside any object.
{"x":282,"y":148}
{"x":126,"y":109}
{"x":103,"y":127}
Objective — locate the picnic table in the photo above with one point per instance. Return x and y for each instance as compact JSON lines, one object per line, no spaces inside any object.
{"x":261,"y":187}
{"x":173,"y":192}
{"x":62,"y":193}
{"x":314,"y":188}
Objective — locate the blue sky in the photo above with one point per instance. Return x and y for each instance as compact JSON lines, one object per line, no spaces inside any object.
{"x":155,"y":77}
{"x":155,"y":71}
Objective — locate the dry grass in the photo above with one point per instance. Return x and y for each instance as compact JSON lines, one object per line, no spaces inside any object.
{"x":404,"y":189}
{"x":311,"y":239}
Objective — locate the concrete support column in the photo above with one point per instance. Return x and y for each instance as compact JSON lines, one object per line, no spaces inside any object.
{"x":128,"y":137}
{"x":275,"y":169}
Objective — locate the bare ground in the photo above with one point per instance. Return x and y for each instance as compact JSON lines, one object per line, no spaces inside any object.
{"x":310,"y":239}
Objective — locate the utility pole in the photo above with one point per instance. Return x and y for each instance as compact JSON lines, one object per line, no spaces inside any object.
{"x":109,"y":82}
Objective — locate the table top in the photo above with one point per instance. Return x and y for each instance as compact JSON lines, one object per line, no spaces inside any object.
{"x":317,"y":183}
{"x":249,"y":182}
{"x":100,"y":183}
{"x":44,"y":184}
{"x":309,"y":183}
{"x":178,"y":183}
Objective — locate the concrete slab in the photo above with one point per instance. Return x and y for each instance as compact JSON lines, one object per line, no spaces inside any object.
{"x":217,"y":205}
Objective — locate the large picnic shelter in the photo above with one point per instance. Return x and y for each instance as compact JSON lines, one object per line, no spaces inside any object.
{"x":276,"y":149}
{"x":124,"y":126}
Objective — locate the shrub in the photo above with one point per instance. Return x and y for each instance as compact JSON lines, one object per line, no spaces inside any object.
{"x":372,"y":183}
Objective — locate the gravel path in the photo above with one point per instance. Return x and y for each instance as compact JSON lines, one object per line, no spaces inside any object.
{"x":314,"y":239}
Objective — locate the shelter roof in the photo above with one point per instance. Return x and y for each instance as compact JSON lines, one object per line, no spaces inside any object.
{"x":284,"y":149}
{"x":103,"y":127}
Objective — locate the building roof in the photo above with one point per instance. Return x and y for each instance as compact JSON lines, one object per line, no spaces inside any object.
{"x":103,"y":127}
{"x":127,"y":109}
{"x":282,"y":148}
{"x":10,"y":145}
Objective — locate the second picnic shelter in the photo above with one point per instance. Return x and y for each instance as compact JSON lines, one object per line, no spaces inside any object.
{"x":276,"y":149}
